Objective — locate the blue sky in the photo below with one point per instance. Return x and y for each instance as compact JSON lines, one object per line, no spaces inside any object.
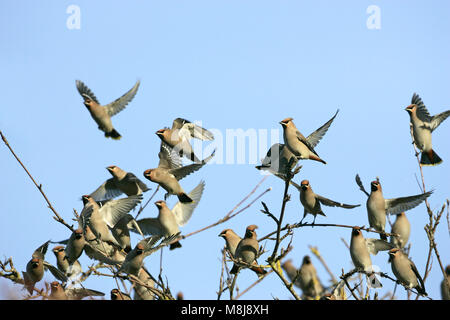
{"x":230,"y":65}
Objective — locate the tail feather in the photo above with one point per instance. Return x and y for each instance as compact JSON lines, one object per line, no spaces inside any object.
{"x":430,"y":158}
{"x":175,"y":245}
{"x":259,"y":271}
{"x":184,"y":198}
{"x":113,"y":134}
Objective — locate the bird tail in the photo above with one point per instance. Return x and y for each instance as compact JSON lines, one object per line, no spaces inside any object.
{"x":184,"y":198}
{"x":113,"y":134}
{"x":421,"y":290}
{"x":175,"y":245}
{"x":316,"y":158}
{"x":430,"y":158}
{"x":259,"y":271}
{"x":234,"y":270}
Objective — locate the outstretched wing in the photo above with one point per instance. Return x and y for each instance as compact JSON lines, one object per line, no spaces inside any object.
{"x":360,"y":185}
{"x":332,"y":203}
{"x":193,"y":130}
{"x":182,"y":172}
{"x":376,"y":245}
{"x":149,"y":226}
{"x":437,"y":119}
{"x":421,"y":112}
{"x":85,"y":92}
{"x":106,"y":191}
{"x":168,"y":157}
{"x":314,"y":138}
{"x":119,"y":104}
{"x":183,"y":211}
{"x":114,"y":210}
{"x":397,"y":205}
{"x":132,"y":178}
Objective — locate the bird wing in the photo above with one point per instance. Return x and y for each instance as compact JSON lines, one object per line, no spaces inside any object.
{"x":375,"y":245}
{"x":119,"y":104}
{"x":331,"y":203}
{"x":168,"y":157}
{"x":437,"y":119}
{"x":419,"y":277}
{"x":183,"y":211}
{"x":397,"y":205}
{"x":99,"y":255}
{"x":149,"y":226}
{"x":80,"y":293}
{"x":85,"y":91}
{"x":422,"y":112}
{"x":41,"y":251}
{"x":106,"y":191}
{"x":191,"y":129}
{"x":150,"y":246}
{"x":182,"y":172}
{"x":314,"y":138}
{"x":58,"y":274}
{"x":132,"y":178}
{"x":114,"y":210}
{"x":360,"y":185}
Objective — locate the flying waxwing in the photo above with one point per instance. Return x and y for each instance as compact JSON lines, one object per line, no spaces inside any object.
{"x":168,"y":221}
{"x":102,"y":114}
{"x":170,"y":171}
{"x":422,"y":125}
{"x":179,"y":135}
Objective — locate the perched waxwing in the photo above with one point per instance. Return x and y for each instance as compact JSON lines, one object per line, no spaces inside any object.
{"x":121,"y":182}
{"x":170,"y":171}
{"x":179,"y":135}
{"x":445,"y":290}
{"x":422,"y":125}
{"x":135,"y":258}
{"x":361,"y":248}
{"x":101,"y":219}
{"x":102,"y":251}
{"x":102,"y":114}
{"x":75,"y":245}
{"x":311,"y":202}
{"x":279,"y":160}
{"x":36,"y":267}
{"x":62,"y":262}
{"x":301,"y":147}
{"x":402,"y":227}
{"x":232,"y":241}
{"x":308,"y":280}
{"x":405,"y":271}
{"x":247,"y":251}
{"x":378,"y":206}
{"x":116,"y":294}
{"x":58,"y":292}
{"x":168,"y":221}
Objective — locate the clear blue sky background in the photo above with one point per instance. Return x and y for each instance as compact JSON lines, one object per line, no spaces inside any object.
{"x":230,"y":64}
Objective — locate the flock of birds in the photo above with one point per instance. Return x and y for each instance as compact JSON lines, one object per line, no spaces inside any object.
{"x":104,"y":223}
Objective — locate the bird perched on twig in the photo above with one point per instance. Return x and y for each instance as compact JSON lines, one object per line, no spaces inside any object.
{"x":311,"y":202}
{"x":406,"y":271}
{"x":378,"y":206}
{"x":301,"y":147}
{"x":248,"y":250}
